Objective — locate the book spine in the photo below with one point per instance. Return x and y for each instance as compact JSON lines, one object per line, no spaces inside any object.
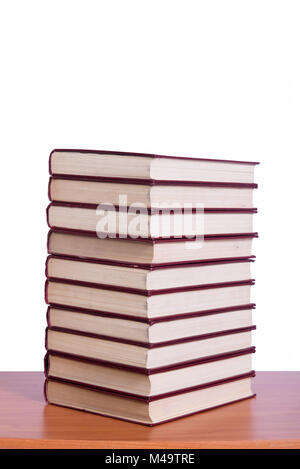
{"x":48,"y":317}
{"x":46,"y":291}
{"x":49,"y":189}
{"x":45,"y":391}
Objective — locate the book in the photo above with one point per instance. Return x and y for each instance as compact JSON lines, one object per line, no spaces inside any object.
{"x":82,"y":190}
{"x":146,"y":330}
{"x":144,"y":355}
{"x":145,"y":252}
{"x":104,"y":376}
{"x":146,"y":304}
{"x":156,"y":224}
{"x":147,"y":279}
{"x":143,"y":411}
{"x":142,"y":166}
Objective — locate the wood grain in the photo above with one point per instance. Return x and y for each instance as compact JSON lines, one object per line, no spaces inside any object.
{"x":271,"y":420}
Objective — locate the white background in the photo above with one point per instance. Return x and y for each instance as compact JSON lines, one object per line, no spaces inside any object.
{"x":209,"y":78}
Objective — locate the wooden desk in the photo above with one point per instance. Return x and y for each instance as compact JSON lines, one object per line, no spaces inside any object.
{"x":271,"y":420}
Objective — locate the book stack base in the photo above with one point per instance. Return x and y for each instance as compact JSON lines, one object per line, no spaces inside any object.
{"x":148,"y":328}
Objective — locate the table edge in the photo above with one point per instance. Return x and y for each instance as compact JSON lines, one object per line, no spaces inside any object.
{"x":32,"y":443}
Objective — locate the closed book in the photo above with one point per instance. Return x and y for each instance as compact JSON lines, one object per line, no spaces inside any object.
{"x":148,"y":252}
{"x":155,"y":279}
{"x":149,"y":167}
{"x":153,"y":330}
{"x":142,"y":410}
{"x":146,"y":383}
{"x":149,"y":194}
{"x":147,"y":304}
{"x":145,"y":355}
{"x":134,"y":222}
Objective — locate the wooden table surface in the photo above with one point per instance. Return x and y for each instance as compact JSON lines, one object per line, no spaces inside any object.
{"x":271,"y":420}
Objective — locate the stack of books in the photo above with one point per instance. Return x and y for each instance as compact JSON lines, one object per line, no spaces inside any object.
{"x":148,"y":284}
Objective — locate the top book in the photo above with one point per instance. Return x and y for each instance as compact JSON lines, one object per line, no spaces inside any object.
{"x":150,"y":168}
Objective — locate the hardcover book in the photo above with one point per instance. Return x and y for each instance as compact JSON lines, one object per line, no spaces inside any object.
{"x":110,"y":221}
{"x":138,"y":355}
{"x":143,"y":411}
{"x":146,"y":252}
{"x":145,"y":304}
{"x":150,"y":385}
{"x":148,"y":167}
{"x":148,"y":330}
{"x":157,"y":279}
{"x":84,"y":190}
